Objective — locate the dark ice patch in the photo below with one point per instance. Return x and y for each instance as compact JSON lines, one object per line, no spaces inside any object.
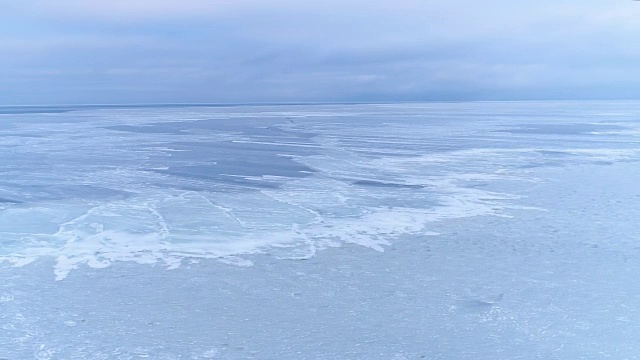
{"x":242,"y":172}
{"x":22,"y":136}
{"x":15,"y":110}
{"x":553,"y":153}
{"x":146,"y":129}
{"x":267,"y":128}
{"x":25,"y":193}
{"x":381,"y":184}
{"x":561,"y":129}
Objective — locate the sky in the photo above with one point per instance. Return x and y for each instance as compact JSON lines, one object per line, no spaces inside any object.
{"x":246,"y":51}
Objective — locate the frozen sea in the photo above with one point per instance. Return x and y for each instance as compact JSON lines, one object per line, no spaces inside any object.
{"x":473,"y":230}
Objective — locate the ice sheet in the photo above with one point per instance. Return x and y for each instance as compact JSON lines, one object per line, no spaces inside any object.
{"x":160,"y":185}
{"x":395,"y":231}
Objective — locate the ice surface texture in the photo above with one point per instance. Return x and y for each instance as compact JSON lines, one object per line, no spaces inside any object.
{"x":315,"y":220}
{"x":160,"y":185}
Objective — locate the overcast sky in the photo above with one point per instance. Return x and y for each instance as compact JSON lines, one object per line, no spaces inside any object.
{"x":220,"y":51}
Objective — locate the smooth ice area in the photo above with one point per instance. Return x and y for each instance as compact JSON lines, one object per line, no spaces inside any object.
{"x":494,"y":230}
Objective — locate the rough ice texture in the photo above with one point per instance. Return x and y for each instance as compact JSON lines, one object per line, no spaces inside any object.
{"x":160,"y":185}
{"x":317,"y":218}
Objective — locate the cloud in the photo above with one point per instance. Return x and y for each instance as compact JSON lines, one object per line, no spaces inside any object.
{"x":285,"y":50}
{"x":128,"y":10}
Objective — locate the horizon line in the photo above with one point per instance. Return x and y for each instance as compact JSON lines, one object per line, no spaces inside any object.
{"x":293,"y":103}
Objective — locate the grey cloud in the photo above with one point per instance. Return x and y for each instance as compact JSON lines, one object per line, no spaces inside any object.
{"x":331,"y":51}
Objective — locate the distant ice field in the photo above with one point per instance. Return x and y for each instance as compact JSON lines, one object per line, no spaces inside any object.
{"x":171,"y":185}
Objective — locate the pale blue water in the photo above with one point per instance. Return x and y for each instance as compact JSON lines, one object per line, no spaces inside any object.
{"x":390,"y":231}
